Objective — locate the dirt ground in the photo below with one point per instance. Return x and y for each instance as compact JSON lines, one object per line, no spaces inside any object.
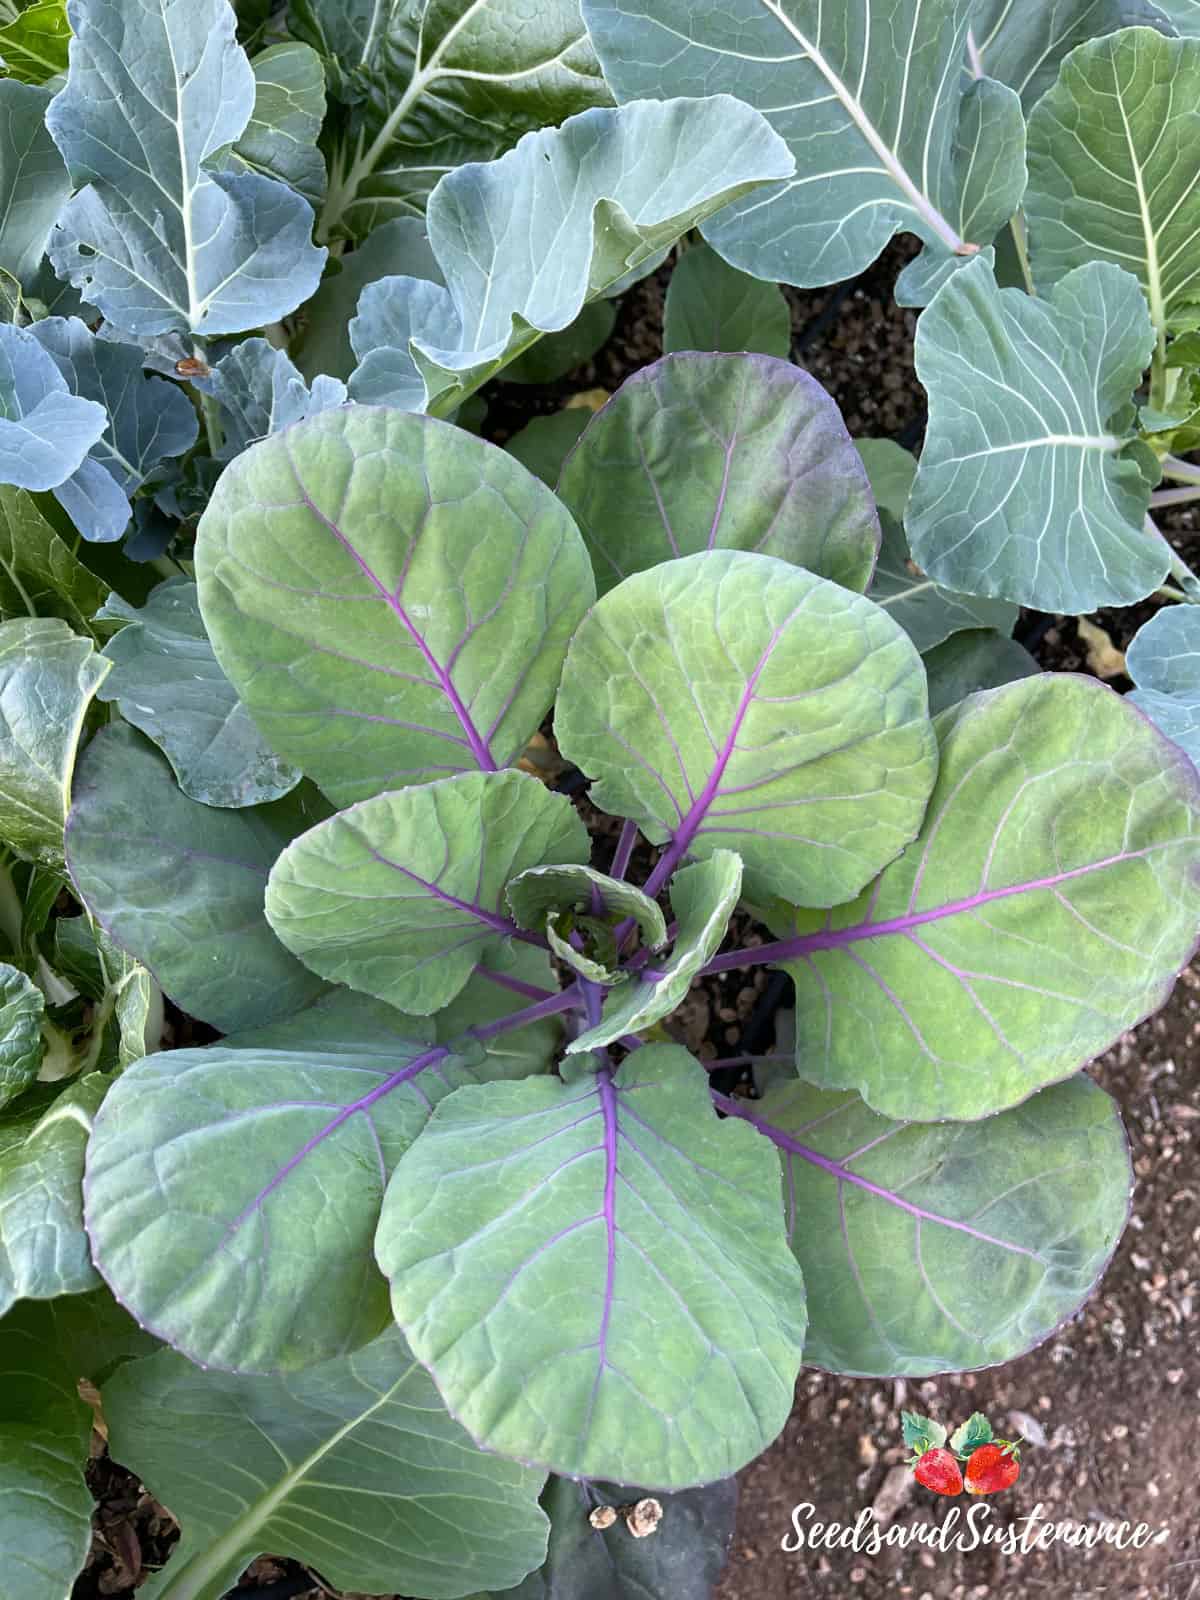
{"x":1110,"y":1402}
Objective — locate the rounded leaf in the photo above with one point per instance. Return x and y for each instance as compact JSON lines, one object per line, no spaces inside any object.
{"x":940,"y":1247}
{"x":390,"y":597}
{"x":596,"y":1273}
{"x":732,"y":701}
{"x":402,"y":895}
{"x":1048,"y":905}
{"x":716,"y":452}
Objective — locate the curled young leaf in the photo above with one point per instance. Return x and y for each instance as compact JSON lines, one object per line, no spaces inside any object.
{"x":1049,"y":903}
{"x":521,"y":1234}
{"x":703,"y":897}
{"x":940,"y":1247}
{"x":734,"y":701}
{"x":390,"y":597}
{"x":721,"y":452}
{"x":401,"y":896}
{"x":574,"y":887}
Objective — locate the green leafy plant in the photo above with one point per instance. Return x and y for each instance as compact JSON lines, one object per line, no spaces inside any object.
{"x":347,"y":1141}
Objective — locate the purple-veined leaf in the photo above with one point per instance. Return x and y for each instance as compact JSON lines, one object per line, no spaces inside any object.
{"x":939,"y":1247}
{"x":391,"y":597}
{"x":523,"y":1234}
{"x":264,"y":1160}
{"x":733,"y":701}
{"x":402,"y":895}
{"x":1050,"y":901}
{"x":721,"y":452}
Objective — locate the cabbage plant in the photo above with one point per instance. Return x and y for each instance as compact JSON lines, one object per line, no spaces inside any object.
{"x":348,"y":1145}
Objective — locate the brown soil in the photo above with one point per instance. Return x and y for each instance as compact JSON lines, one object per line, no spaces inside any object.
{"x":1110,"y":1402}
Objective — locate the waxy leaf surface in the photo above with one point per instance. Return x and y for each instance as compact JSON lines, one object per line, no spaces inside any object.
{"x":721,"y":452}
{"x":869,"y":98}
{"x":1048,"y":905}
{"x":439,"y":83}
{"x":521,"y":1234}
{"x":44,"y":1251}
{"x":683,"y":1558}
{"x":402,"y":895}
{"x":703,"y":897}
{"x":1112,"y":168}
{"x":391,"y":598}
{"x":734,"y":701}
{"x":264,"y":1159}
{"x":260,"y":392}
{"x":524,"y":242}
{"x":180,"y":885}
{"x":33,"y":180}
{"x":927,"y":613}
{"x":155,"y":238}
{"x":149,"y":420}
{"x":280,"y":140}
{"x":21,"y":1007}
{"x":48,"y":676}
{"x":354,"y":1466}
{"x":1164,"y":663}
{"x":712,"y":306}
{"x":1023,"y":46}
{"x":45,"y":430}
{"x":1030,"y":486}
{"x":166,"y":681}
{"x":939,"y":1247}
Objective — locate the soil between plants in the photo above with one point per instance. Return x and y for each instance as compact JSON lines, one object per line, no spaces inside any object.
{"x":1111,"y":1400}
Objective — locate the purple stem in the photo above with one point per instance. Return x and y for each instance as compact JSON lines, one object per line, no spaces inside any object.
{"x":516,"y":985}
{"x":565,"y":1000}
{"x":834,"y":938}
{"x":784,"y":1141}
{"x":625,"y":844}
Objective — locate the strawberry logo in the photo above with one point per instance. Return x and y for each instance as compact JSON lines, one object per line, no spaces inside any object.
{"x":993,"y":1467}
{"x":991,"y":1464}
